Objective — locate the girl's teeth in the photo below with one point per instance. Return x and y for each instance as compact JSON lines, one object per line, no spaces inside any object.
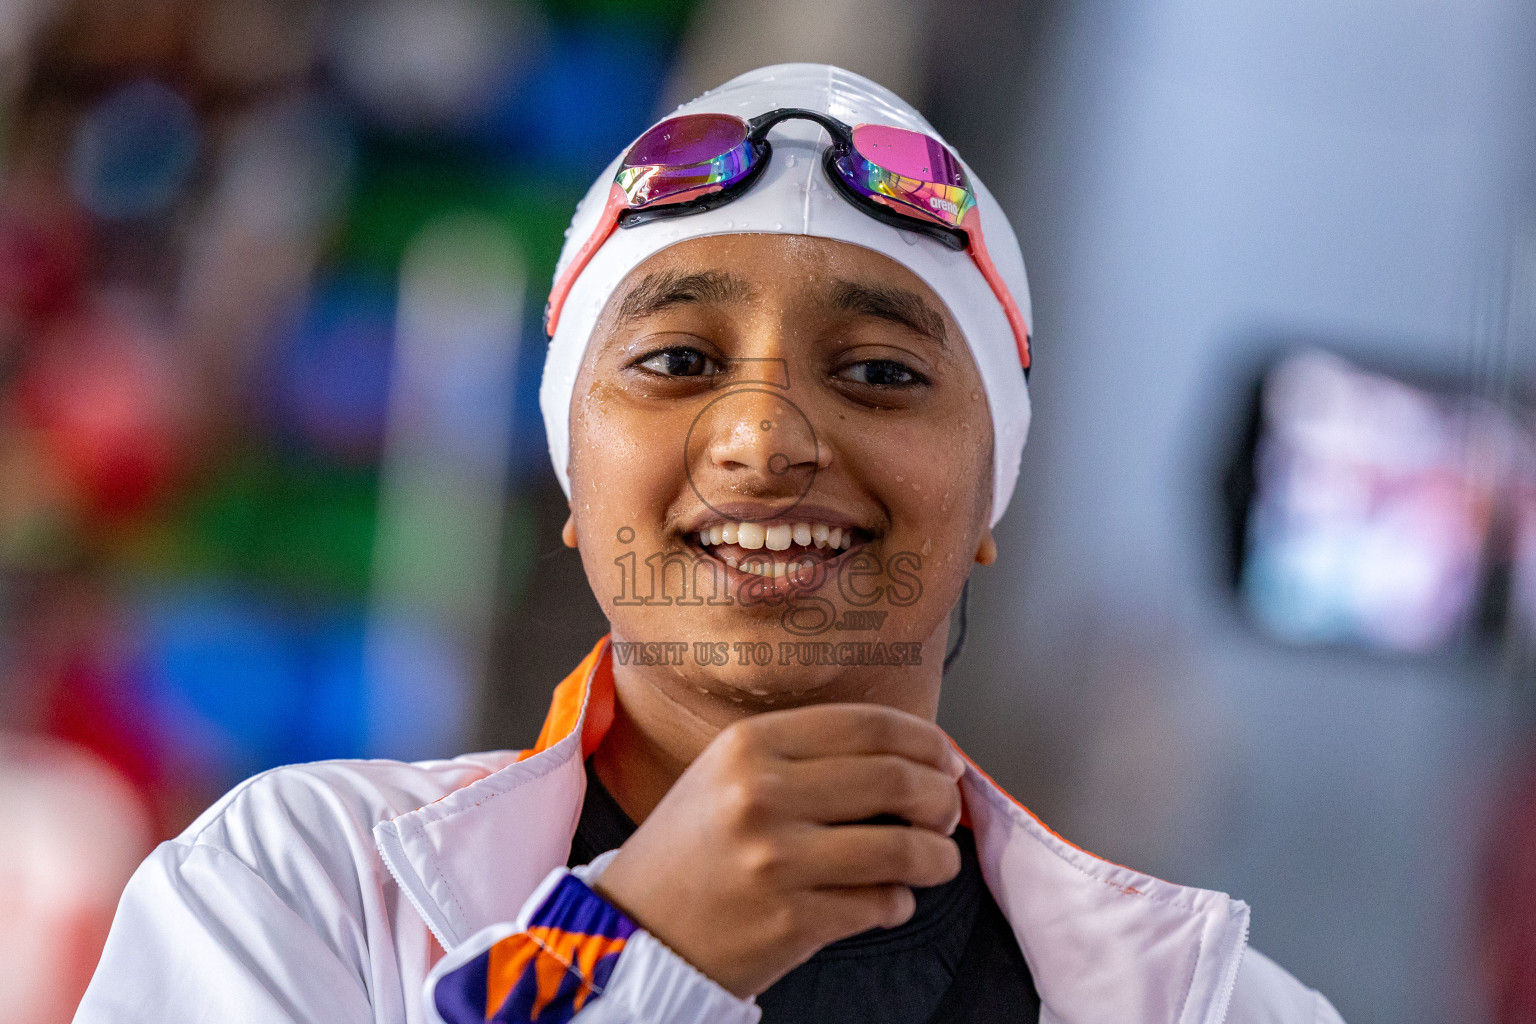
{"x":755,"y":536}
{"x":795,"y":570}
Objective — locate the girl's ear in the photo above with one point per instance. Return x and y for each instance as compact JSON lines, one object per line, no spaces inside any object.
{"x":986,"y":552}
{"x":568,"y":533}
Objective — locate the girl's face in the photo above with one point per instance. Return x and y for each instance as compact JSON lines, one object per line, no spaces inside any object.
{"x":781,"y":470}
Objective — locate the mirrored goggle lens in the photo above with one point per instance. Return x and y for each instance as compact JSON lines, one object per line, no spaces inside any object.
{"x":684,"y":157}
{"x":909,"y":154}
{"x":909,"y":172}
{"x":690,"y":139}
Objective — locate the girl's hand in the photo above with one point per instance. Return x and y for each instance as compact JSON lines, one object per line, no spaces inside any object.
{"x":752,"y":862}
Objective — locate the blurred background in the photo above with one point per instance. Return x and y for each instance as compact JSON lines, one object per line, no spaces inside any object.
{"x":273,"y":482}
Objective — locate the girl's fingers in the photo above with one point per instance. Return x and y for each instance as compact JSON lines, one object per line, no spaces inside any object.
{"x":832,"y":730}
{"x":851,"y":788}
{"x":845,"y":856}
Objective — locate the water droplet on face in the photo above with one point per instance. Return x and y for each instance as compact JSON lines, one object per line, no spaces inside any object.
{"x":730,"y":223}
{"x":790,"y":160}
{"x":778,"y":225}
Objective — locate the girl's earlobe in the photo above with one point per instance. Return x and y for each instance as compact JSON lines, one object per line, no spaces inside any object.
{"x":568,"y":531}
{"x":986,"y":552}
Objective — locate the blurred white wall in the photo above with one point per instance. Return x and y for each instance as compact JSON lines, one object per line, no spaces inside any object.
{"x":887,"y":40}
{"x":1194,"y":183}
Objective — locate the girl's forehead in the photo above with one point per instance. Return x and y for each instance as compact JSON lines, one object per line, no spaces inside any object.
{"x":747,"y":251}
{"x":800,"y":273}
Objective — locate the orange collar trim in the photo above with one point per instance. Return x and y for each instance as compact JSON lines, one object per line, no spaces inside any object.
{"x":590,"y":684}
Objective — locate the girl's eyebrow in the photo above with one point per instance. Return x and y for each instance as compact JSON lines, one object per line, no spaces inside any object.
{"x":664,"y":288}
{"x":897,"y":305}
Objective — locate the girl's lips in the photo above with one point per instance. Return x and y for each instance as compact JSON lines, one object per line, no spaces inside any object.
{"x":804,"y":568}
{"x":795,"y":545}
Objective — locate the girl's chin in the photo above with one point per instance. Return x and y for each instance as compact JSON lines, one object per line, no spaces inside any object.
{"x":763,"y":690}
{"x":757,"y":688}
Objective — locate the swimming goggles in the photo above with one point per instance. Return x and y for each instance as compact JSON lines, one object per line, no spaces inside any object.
{"x":698,"y":162}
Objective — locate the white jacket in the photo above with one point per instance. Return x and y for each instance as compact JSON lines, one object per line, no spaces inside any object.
{"x":326,"y":893}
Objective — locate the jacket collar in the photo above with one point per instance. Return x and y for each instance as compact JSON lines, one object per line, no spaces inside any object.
{"x":1105,"y":944}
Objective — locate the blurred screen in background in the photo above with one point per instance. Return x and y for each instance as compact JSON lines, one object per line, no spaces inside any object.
{"x":1379,"y":509}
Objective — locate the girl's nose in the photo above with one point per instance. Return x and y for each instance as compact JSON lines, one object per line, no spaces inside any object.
{"x":756,"y":434}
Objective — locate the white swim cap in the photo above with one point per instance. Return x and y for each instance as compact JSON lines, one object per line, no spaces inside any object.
{"x":794,"y":197}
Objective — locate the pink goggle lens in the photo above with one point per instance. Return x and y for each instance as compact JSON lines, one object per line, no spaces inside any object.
{"x":687,"y":140}
{"x":909,"y":154}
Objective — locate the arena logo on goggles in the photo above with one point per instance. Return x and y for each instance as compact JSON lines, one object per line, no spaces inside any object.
{"x":698,"y":162}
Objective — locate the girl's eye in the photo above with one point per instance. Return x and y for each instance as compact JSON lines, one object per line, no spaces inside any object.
{"x":882,"y":373}
{"x":678,"y":362}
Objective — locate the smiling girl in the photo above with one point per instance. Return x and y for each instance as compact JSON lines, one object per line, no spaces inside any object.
{"x":786,"y":395}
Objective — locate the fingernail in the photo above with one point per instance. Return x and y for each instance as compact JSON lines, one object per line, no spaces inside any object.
{"x":956,"y":764}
